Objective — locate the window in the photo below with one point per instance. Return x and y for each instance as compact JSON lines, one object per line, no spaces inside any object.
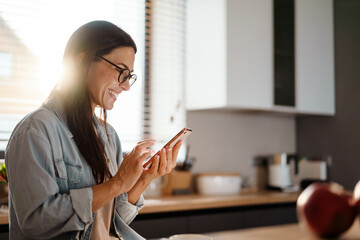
{"x":33,"y":35}
{"x":5,"y":64}
{"x":164,"y":110}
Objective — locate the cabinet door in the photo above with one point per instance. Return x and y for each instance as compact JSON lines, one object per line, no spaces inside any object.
{"x":314,"y":56}
{"x":250,"y":53}
{"x":206,"y":54}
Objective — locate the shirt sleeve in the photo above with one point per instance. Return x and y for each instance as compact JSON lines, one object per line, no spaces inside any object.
{"x":41,"y":210}
{"x":126,"y":210}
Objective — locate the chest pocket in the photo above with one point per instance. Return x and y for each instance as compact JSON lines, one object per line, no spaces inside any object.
{"x":68,"y":171}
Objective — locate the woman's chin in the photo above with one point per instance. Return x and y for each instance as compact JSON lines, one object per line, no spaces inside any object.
{"x":109,"y":106}
{"x":109,"y":103}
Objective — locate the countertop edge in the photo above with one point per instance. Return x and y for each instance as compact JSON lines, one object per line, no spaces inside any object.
{"x":198,"y":202}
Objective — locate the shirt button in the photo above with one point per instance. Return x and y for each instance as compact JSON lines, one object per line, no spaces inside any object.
{"x":108,"y":160}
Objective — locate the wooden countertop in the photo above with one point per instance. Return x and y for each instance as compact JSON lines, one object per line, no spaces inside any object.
{"x":282,"y":232}
{"x":4,"y":215}
{"x":196,"y":202}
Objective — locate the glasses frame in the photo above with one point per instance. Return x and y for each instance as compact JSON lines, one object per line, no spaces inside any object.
{"x":121,"y":71}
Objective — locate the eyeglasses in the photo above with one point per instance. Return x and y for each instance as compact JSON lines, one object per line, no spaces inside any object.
{"x":124,"y":73}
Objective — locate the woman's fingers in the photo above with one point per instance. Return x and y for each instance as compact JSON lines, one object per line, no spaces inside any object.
{"x":143,"y":157}
{"x":155,"y":164}
{"x":170,"y":161}
{"x":143,"y":145}
{"x":146,"y":141}
{"x":163,"y":162}
{"x":150,"y":151}
{"x":176,"y":149}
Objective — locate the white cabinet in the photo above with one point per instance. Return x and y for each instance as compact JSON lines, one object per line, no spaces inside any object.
{"x":230,"y":56}
{"x":314,"y":56}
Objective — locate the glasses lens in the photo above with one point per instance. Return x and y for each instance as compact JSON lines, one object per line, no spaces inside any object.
{"x":126,"y":75}
{"x":132,"y":79}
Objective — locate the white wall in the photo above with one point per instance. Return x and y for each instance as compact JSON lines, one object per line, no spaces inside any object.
{"x":227,"y":141}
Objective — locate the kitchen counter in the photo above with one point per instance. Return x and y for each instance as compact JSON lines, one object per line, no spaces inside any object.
{"x":197,"y":202}
{"x":289,"y":231}
{"x":201,"y":214}
{"x":4,"y":216}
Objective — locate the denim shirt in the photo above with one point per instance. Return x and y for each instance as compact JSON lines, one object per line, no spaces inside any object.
{"x":50,"y":194}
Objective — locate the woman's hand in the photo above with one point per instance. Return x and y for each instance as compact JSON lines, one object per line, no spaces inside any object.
{"x":162,"y":164}
{"x":131,"y":167}
{"x":126,"y":177}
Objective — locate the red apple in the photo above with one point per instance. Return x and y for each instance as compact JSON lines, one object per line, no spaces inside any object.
{"x":326,"y":209}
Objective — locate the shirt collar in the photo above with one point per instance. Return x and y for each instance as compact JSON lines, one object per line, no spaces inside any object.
{"x":56,"y":105}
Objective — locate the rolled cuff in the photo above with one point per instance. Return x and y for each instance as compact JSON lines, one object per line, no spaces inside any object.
{"x":126,"y":210}
{"x":140,"y":203}
{"x":82,"y":203}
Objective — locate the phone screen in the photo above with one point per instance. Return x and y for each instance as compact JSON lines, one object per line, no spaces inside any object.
{"x":183,"y":134}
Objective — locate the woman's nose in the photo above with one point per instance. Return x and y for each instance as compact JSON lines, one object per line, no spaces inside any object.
{"x":126,"y":85}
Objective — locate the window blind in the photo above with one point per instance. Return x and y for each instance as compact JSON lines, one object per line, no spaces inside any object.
{"x":164,"y":101}
{"x":33,"y":35}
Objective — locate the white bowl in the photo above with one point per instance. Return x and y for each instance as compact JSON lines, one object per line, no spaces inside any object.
{"x":219,"y":183}
{"x":190,"y":237}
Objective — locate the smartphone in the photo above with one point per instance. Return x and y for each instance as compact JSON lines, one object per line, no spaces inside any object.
{"x":184,"y":133}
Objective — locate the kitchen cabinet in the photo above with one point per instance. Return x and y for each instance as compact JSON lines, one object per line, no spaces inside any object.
{"x":314,"y":56}
{"x":205,"y":213}
{"x":230,"y":56}
{"x":157,"y":225}
{"x":208,"y":213}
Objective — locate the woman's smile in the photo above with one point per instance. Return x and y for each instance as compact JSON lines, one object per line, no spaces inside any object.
{"x":113,"y":93}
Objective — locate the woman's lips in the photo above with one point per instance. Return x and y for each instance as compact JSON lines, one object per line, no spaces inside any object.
{"x":113,"y":93}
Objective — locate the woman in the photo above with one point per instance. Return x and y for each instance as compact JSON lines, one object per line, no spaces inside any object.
{"x":66,"y":174}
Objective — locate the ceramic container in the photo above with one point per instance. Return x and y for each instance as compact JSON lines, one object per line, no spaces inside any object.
{"x":219,"y":183}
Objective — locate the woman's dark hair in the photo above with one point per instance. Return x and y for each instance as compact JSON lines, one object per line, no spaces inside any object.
{"x":93,"y":39}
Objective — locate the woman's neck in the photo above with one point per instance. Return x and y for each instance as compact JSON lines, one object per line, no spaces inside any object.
{"x":93,"y":106}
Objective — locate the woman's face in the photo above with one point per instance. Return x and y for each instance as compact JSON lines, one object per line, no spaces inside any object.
{"x":103,"y":82}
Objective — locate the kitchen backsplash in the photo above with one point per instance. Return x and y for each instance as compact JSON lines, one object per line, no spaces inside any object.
{"x":227,"y":141}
